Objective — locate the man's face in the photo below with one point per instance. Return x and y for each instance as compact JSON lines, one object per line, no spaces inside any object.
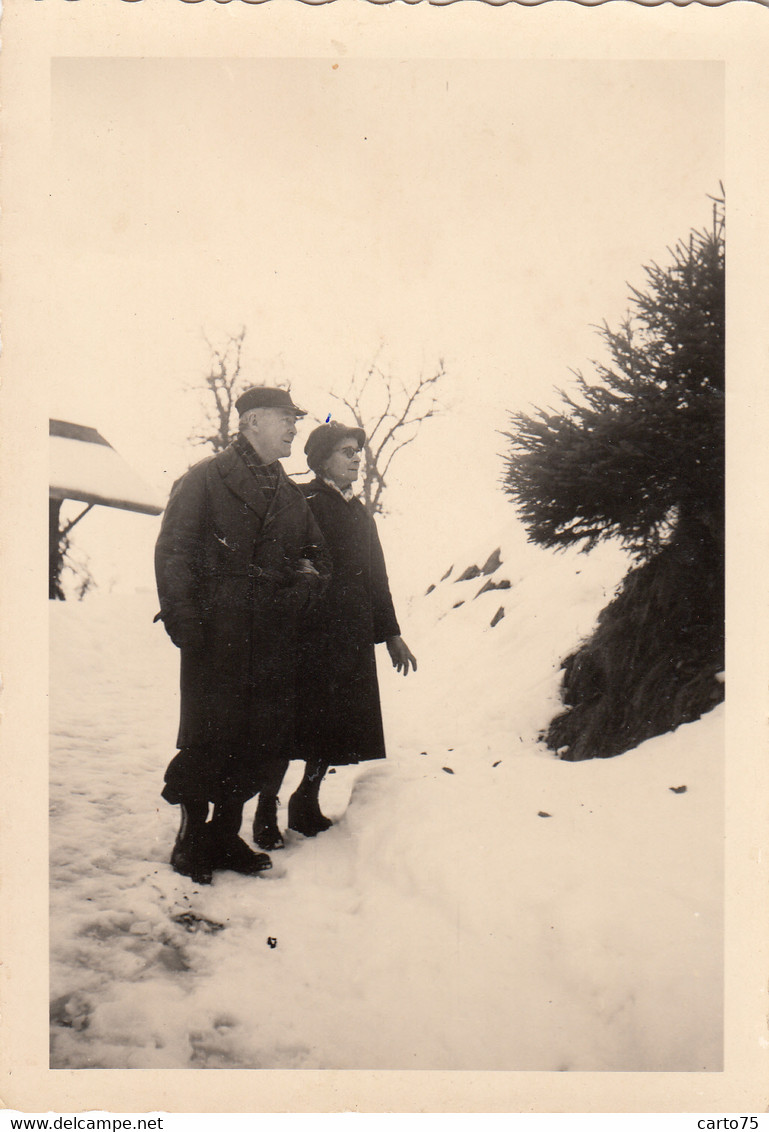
{"x":343,"y":463}
{"x":273,"y":432}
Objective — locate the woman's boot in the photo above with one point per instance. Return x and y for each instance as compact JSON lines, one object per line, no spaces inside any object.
{"x":191,"y":853}
{"x":266,"y":832}
{"x":304,"y":813}
{"x":267,"y":835}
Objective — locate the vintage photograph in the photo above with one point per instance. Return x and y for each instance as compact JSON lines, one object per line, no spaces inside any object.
{"x":383,"y":688}
{"x":386,"y":564}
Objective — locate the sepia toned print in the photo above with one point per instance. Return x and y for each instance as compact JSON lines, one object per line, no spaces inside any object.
{"x":506,"y":887}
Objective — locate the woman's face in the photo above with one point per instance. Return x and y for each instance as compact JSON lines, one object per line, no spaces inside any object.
{"x":343,"y":463}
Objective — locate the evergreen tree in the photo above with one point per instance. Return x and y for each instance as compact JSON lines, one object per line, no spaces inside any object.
{"x":638,"y":454}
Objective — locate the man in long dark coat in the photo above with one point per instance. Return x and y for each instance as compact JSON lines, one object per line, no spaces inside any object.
{"x":239,"y":561}
{"x":338,"y":717}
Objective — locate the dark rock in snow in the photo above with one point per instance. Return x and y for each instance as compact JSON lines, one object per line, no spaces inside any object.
{"x":678,"y":789}
{"x":490,"y":584}
{"x":497,"y":616}
{"x":492,"y":563}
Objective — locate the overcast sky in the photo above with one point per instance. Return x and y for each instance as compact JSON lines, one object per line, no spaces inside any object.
{"x":483,"y":212}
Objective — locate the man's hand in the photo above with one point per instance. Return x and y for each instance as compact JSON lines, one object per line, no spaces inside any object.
{"x":400,"y":655}
{"x":304,"y":566}
{"x":186,"y":634}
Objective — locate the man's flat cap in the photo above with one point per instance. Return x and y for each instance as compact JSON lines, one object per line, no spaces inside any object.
{"x":264,"y":397}
{"x":321,"y":441}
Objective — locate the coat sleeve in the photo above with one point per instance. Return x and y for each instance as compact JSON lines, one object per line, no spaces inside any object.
{"x":179,"y":555}
{"x":316,"y":550}
{"x":385,"y":621}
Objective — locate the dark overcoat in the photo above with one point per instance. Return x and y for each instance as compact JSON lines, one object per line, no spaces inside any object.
{"x":227,"y":568}
{"x":338,"y":716}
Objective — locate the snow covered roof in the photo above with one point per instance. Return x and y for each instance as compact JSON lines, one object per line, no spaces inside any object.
{"x":84,"y":466}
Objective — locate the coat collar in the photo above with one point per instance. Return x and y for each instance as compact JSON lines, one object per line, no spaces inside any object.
{"x":346,"y":494}
{"x":242,"y":483}
{"x":319,"y":484}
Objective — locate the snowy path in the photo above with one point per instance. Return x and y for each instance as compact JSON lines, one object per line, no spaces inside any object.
{"x":445,"y":921}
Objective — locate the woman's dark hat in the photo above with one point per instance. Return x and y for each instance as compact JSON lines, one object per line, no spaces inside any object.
{"x":264,"y":397}
{"x":322,"y":440}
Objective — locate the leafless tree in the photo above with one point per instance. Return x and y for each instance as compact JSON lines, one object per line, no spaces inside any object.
{"x":390,"y":412}
{"x":222,"y":385}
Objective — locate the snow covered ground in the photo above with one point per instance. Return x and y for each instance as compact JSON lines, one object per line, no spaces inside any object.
{"x":477,"y":905}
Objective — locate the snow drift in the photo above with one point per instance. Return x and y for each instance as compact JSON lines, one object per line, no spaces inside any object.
{"x":478,"y":904}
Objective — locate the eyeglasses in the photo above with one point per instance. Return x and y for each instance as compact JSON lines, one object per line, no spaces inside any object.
{"x":348,"y":453}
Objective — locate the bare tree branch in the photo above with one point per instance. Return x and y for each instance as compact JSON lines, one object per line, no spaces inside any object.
{"x":391,"y":414}
{"x":403,"y":418}
{"x":397,"y":448}
{"x":389,"y":410}
{"x":222,"y":385}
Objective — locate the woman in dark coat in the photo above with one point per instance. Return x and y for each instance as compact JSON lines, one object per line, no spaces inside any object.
{"x":338,"y":719}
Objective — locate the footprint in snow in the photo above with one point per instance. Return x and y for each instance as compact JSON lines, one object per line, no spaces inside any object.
{"x":191,"y":922}
{"x":71,"y":1010}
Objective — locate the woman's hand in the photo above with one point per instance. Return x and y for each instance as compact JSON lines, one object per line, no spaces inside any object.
{"x":400,"y":655}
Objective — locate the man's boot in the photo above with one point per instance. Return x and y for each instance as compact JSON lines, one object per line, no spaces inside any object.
{"x":267,"y":835}
{"x":304,"y":812}
{"x":190,"y":856}
{"x":227,"y":850}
